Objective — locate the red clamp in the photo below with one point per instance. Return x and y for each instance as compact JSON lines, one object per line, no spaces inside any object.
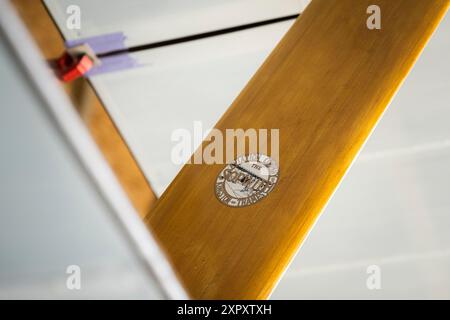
{"x":71,"y":68}
{"x":75,"y":63}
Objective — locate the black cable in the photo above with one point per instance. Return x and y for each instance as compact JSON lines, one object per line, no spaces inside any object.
{"x":197,"y":36}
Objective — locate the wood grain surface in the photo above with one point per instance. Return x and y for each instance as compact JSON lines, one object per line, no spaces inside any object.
{"x":324,"y":87}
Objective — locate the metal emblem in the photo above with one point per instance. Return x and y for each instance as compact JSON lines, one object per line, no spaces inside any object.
{"x":247,"y":180}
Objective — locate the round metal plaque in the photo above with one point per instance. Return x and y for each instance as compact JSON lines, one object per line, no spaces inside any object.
{"x":247,"y":180}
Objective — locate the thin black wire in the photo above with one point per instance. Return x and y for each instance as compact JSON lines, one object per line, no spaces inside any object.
{"x":198,"y":36}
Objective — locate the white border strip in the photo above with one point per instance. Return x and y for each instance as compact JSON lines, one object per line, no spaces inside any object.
{"x":79,"y":140}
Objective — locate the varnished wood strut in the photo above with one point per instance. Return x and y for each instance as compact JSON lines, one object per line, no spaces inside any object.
{"x":324,"y":86}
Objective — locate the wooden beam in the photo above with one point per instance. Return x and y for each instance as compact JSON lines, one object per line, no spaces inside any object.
{"x":324,"y":87}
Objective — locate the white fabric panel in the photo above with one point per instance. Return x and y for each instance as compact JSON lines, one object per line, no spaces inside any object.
{"x":144,"y":21}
